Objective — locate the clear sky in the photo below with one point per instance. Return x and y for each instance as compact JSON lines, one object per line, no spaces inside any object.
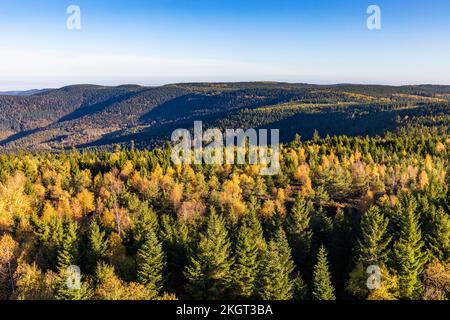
{"x":152,"y":42}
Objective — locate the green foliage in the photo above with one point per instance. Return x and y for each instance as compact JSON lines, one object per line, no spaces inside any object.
{"x":300,"y":288}
{"x":177,"y":245}
{"x":209,"y":271}
{"x":322,"y":287}
{"x":125,"y":215}
{"x":146,"y":221}
{"x":275,"y":279}
{"x":299,"y":231}
{"x":351,"y":110}
{"x":357,"y":283}
{"x":255,"y":230}
{"x":151,"y":264}
{"x":245,"y":265}
{"x":438,"y":236}
{"x":408,"y":256}
{"x":97,"y":243}
{"x":63,"y":292}
{"x":68,"y":250}
{"x":373,"y":243}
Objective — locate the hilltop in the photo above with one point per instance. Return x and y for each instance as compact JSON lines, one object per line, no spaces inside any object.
{"x":92,"y":115}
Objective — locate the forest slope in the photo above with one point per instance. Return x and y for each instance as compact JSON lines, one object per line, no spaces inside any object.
{"x":89,"y":115}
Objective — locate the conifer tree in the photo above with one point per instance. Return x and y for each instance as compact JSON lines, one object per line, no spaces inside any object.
{"x":146,"y":221}
{"x":340,"y":246}
{"x":285,"y":252}
{"x":370,"y":250}
{"x":209,"y":271}
{"x":245,"y":263}
{"x":97,"y":243}
{"x":64,"y":292}
{"x":275,"y":282}
{"x":255,"y":229}
{"x":300,"y":288}
{"x":299,"y":231}
{"x":67,"y":257}
{"x":68,"y":251}
{"x":322,"y":286}
{"x":408,"y":255}
{"x":176,"y":241}
{"x":151,"y":264}
{"x":438,"y":236}
{"x":371,"y":246}
{"x":321,"y":226}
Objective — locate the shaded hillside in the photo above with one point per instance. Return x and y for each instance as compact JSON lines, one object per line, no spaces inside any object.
{"x":90,"y":115}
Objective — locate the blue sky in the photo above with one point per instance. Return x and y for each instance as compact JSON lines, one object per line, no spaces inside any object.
{"x":152,"y":42}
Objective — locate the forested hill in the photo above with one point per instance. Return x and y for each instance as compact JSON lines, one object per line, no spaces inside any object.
{"x":140,"y":227}
{"x":90,"y":115}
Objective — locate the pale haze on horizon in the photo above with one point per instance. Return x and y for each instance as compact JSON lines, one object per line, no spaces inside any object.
{"x":166,"y":41}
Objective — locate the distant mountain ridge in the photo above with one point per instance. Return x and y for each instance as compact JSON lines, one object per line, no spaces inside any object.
{"x":23,"y":92}
{"x":93,"y":115}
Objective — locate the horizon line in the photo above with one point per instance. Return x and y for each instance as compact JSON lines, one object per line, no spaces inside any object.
{"x":40,"y":88}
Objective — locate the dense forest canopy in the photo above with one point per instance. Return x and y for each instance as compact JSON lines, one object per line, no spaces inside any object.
{"x":141,"y":228}
{"x":359,"y":210}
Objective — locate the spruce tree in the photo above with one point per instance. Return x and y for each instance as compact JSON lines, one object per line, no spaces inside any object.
{"x":285,"y":252}
{"x":300,"y":288}
{"x":255,"y":229}
{"x":209,"y":271}
{"x":68,"y":249}
{"x":151,"y":264}
{"x":321,"y":226}
{"x":146,"y":221}
{"x":67,"y":256}
{"x":275,"y":282}
{"x":408,"y":255}
{"x":340,"y":246}
{"x":437,"y":237}
{"x":322,"y":286}
{"x":245,"y":263}
{"x":300,"y":234}
{"x":97,"y":244}
{"x":64,"y":292}
{"x":176,"y":241}
{"x":372,"y":245}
